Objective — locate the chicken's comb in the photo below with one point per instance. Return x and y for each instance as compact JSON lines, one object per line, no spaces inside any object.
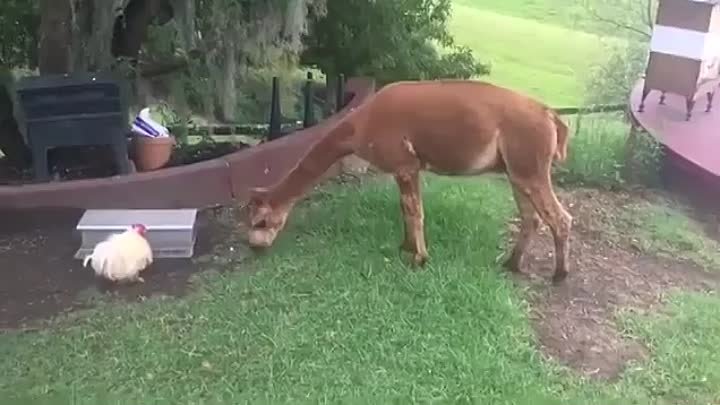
{"x":139,"y":227}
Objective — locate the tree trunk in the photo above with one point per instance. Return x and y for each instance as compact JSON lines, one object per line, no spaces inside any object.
{"x":93,"y":33}
{"x":55,"y":55}
{"x":12,"y":143}
{"x":131,"y":30}
{"x":330,"y":86}
{"x":184,"y":16}
{"x":229,"y":95}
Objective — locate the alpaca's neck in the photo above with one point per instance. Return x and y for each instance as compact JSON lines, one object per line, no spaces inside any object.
{"x":326,"y":151}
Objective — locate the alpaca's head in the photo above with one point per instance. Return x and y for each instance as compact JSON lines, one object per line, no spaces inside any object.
{"x":266,"y":220}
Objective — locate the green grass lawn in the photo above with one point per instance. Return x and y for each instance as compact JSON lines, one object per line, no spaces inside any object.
{"x":572,"y":14}
{"x":530,"y":48}
{"x":353,"y":324}
{"x":666,"y":231}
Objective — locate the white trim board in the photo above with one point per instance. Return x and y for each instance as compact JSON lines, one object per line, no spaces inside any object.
{"x":125,"y":227}
{"x":685,"y":43}
{"x":153,"y":219}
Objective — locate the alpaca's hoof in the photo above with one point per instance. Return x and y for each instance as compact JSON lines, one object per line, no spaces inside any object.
{"x":512,"y":264}
{"x":420,"y":259}
{"x":406,"y":247}
{"x":559,"y":276}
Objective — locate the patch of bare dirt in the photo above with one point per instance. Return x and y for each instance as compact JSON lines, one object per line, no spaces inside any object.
{"x":576,"y":321}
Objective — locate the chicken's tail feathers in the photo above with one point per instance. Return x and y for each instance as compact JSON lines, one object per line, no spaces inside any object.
{"x":87,"y":260}
{"x":99,"y":263}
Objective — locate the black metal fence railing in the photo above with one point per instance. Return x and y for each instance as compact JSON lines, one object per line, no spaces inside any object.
{"x":600,"y":108}
{"x":277,"y":125}
{"x":276,"y":128}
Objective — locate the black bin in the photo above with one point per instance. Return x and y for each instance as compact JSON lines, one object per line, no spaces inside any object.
{"x":74,"y":110}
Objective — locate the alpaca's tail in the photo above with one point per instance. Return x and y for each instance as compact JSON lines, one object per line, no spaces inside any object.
{"x":562,"y":137}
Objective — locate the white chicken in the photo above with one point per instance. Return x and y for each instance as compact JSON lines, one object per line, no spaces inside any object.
{"x":121,"y":257}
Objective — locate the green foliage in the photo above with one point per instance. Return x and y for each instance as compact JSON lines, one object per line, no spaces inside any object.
{"x":595,"y":153}
{"x":611,"y":81}
{"x":600,"y":156}
{"x":253,"y":87}
{"x":19,"y":21}
{"x":631,"y":19}
{"x":255,"y":96}
{"x":243,"y":48}
{"x":643,"y":160}
{"x":389,"y":40}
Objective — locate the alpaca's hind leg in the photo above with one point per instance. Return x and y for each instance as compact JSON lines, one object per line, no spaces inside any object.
{"x":545,"y":201}
{"x":412,"y":208}
{"x":529,"y":223}
{"x":407,"y":244}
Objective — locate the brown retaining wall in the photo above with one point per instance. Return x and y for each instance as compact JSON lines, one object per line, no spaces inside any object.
{"x":213,"y":182}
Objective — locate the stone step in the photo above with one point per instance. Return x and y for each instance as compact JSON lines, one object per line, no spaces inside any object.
{"x":171,"y":232}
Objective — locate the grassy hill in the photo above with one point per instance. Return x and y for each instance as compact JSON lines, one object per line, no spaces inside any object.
{"x":572,"y":14}
{"x":539,"y":46}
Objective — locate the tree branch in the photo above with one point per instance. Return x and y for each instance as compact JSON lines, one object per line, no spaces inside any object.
{"x":648,"y":14}
{"x":621,"y":25}
{"x":149,"y":69}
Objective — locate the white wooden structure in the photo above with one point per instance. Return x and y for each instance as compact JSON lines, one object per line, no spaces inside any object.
{"x":684,"y":51}
{"x":171,"y":233}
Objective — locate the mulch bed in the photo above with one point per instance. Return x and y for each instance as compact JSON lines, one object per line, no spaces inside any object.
{"x":39,"y":279}
{"x":71,"y":164}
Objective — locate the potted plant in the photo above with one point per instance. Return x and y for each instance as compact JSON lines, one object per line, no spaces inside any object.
{"x":152,"y":144}
{"x":152,"y":153}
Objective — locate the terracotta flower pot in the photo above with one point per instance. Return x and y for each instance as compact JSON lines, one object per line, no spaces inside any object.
{"x":152,"y":153}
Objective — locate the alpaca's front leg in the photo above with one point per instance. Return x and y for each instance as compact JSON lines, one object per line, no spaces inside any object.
{"x":412,"y":209}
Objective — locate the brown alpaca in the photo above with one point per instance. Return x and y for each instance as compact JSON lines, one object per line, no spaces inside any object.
{"x":449,"y":127}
